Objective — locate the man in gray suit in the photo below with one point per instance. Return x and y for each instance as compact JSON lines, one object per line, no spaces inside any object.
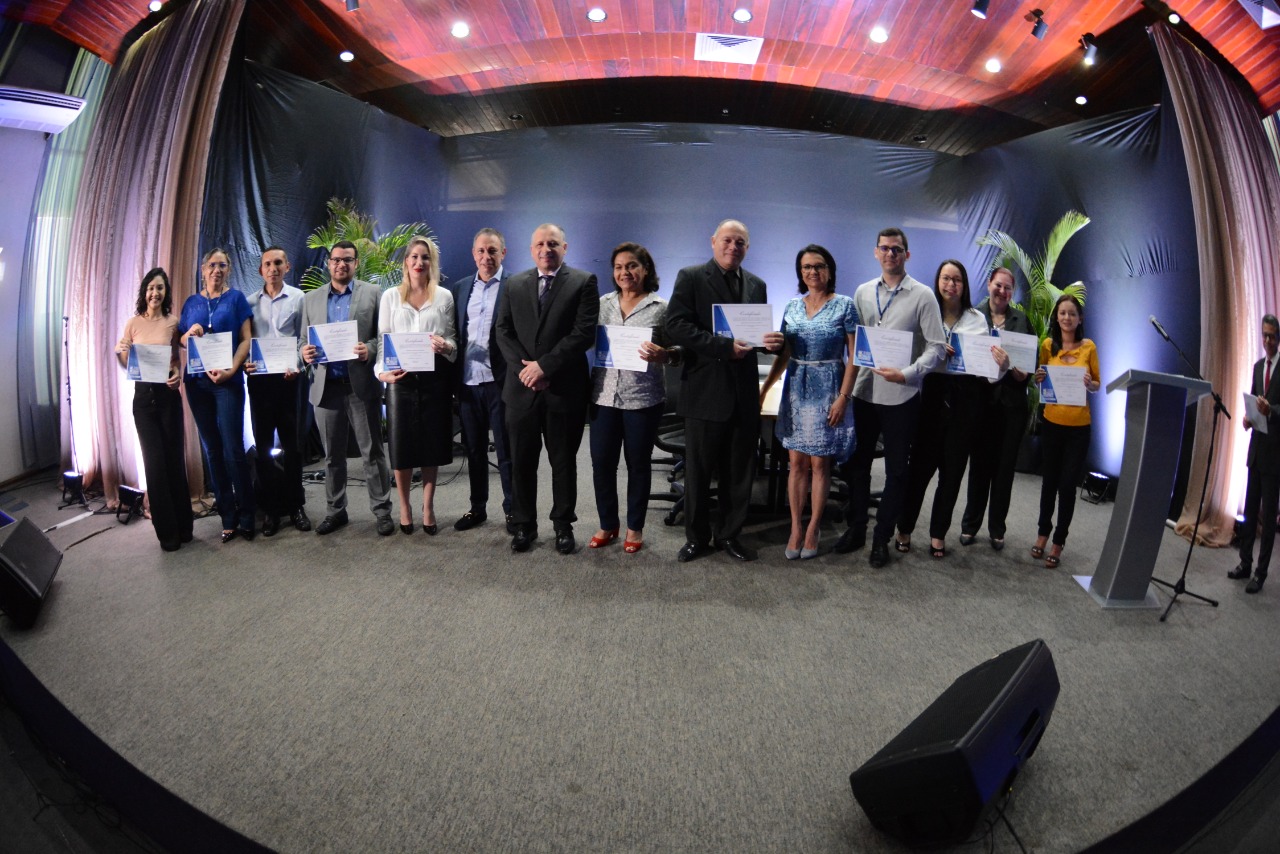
{"x":719,"y":393}
{"x":346,"y":395}
{"x":1262,"y":493}
{"x":546,"y":323}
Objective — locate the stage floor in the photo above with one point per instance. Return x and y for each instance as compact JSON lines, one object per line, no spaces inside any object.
{"x":418,"y":693}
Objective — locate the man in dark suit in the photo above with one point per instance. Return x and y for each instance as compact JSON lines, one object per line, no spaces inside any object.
{"x":480,"y":375}
{"x":719,"y":393}
{"x":546,"y":324}
{"x":1262,"y":494}
{"x":347,"y":397}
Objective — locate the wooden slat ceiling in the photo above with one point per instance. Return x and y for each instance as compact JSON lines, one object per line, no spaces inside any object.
{"x":542,"y":62}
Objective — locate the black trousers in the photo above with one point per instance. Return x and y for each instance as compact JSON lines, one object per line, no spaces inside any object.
{"x":1063,"y":452}
{"x":995,"y":454}
{"x":275,"y":407}
{"x":1261,"y":495}
{"x":527,"y":430}
{"x":723,"y":452}
{"x":157,"y":415}
{"x":946,"y":430}
{"x":897,"y":425}
{"x":480,"y":409}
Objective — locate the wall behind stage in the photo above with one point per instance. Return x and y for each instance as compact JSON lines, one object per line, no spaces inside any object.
{"x":666,"y":186}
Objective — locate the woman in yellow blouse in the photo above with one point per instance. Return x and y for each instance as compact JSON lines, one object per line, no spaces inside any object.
{"x":1064,"y":436}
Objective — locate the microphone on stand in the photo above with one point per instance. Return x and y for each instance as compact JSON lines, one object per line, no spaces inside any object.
{"x":1160,"y":329}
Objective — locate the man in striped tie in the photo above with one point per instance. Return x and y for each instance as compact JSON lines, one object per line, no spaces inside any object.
{"x":1262,"y":494}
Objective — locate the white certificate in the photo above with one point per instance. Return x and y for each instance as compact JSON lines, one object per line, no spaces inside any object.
{"x":1064,"y":386}
{"x":274,"y":355}
{"x":1023,"y":350}
{"x":1256,"y":418}
{"x":209,"y":352}
{"x":877,"y":347}
{"x":973,"y":355}
{"x":747,"y":323}
{"x":336,"y":342}
{"x":619,"y":347}
{"x":407,"y":351}
{"x":149,"y":363}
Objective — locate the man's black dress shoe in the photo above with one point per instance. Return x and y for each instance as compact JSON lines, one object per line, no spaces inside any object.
{"x":270,"y":524}
{"x":385,"y":526}
{"x":1254,"y":585}
{"x":850,"y":541}
{"x":247,"y":533}
{"x":511,"y":524}
{"x":300,"y":519}
{"x":691,"y":551}
{"x":734,"y":549}
{"x":524,"y":537}
{"x":469,"y":520}
{"x":332,"y":523}
{"x":1240,"y":573}
{"x":564,"y":541}
{"x":879,"y":554}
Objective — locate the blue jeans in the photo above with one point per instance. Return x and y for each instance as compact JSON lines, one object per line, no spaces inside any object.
{"x":480,"y":409}
{"x":218,"y":411}
{"x":612,"y":432}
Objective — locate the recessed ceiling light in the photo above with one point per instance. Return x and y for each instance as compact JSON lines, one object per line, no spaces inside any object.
{"x":879,"y":34}
{"x":155,"y":5}
{"x":980,"y":8}
{"x":993,"y":65}
{"x":742,"y":16}
{"x":516,"y":117}
{"x":346,"y":56}
{"x":460,"y":30}
{"x":596,"y":15}
{"x":725,"y":111}
{"x":353,"y":5}
{"x":1175,"y":18}
{"x":1081,"y":100}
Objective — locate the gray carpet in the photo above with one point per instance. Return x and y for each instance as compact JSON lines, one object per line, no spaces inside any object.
{"x":354,"y":692}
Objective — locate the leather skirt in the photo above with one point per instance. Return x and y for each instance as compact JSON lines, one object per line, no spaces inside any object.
{"x":420,"y":420}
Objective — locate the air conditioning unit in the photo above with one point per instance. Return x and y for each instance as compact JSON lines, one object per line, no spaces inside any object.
{"x":31,"y":109}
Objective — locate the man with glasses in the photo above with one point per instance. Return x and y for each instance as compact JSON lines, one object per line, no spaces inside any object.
{"x":886,"y":400}
{"x":1262,"y":491}
{"x":346,"y":395}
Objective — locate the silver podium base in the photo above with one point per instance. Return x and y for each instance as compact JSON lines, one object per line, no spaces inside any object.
{"x":1149,"y":601}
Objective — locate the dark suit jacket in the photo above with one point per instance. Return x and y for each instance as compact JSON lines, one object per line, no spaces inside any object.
{"x":1009,"y":392}
{"x":714,"y":385}
{"x":364,"y":311}
{"x":1264,"y":449}
{"x":557,"y":337}
{"x":462,"y":296}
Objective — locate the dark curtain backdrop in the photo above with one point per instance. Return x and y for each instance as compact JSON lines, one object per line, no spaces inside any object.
{"x":284,"y":146}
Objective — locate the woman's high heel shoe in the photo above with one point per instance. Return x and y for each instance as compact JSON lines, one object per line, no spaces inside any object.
{"x":600,"y":542}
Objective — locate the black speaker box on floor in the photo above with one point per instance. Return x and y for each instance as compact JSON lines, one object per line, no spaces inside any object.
{"x":937,"y":778}
{"x":28,"y":563}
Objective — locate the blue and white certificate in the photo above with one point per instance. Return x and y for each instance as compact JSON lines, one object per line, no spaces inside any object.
{"x":746,"y":322}
{"x":149,"y":363}
{"x":334,"y":342}
{"x":877,"y":347}
{"x":274,"y":355}
{"x":619,"y":347}
{"x":972,"y":356}
{"x":407,"y":351}
{"x":1022,"y":349}
{"x":1064,"y":385}
{"x":209,"y":352}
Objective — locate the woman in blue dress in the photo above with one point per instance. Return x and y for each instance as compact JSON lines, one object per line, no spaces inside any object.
{"x":815,"y":416}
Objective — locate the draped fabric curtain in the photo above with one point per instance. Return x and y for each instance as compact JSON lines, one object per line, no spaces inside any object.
{"x":1235,"y":188}
{"x":42,"y":287}
{"x":139,"y":207}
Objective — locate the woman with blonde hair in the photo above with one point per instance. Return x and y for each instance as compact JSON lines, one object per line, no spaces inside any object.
{"x":419,"y":403}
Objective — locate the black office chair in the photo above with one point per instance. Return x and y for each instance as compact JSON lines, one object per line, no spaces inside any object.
{"x":670,"y":441}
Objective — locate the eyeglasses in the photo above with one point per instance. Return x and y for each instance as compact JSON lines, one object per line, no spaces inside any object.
{"x":347,"y":261}
{"x":814,"y":268}
{"x":955,"y":280}
{"x":891,"y":250}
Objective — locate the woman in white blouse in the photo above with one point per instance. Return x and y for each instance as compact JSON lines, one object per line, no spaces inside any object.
{"x":419,"y":403}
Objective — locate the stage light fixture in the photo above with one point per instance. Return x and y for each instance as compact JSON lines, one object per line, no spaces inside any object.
{"x":346,"y":56}
{"x":1038,"y":27}
{"x":130,"y":504}
{"x":155,"y":5}
{"x":353,"y":5}
{"x":1175,"y":18}
{"x":1090,"y":48}
{"x":1097,"y":487}
{"x":72,"y":488}
{"x":742,"y":15}
{"x":596,"y":15}
{"x":460,"y":30}
{"x":879,"y":34}
{"x":1081,"y":100}
{"x":993,"y":65}
{"x":980,"y":8}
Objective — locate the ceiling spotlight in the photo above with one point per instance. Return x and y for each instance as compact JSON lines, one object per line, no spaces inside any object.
{"x":1081,"y":100}
{"x":980,"y":8}
{"x":742,"y":16}
{"x":155,"y":5}
{"x":346,"y":56}
{"x":879,"y":34}
{"x":596,"y":15}
{"x":1090,"y":48}
{"x":1039,"y":27}
{"x":460,"y":30}
{"x":993,"y":65}
{"x":516,"y":117}
{"x":1175,"y":18}
{"x":353,"y":5}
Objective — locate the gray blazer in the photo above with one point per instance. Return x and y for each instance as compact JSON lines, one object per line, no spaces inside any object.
{"x":364,"y":311}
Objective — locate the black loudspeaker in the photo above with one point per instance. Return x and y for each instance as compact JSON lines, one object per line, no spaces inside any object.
{"x":28,"y":563}
{"x":933,"y":783}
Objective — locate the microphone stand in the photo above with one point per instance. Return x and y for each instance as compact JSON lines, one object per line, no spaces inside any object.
{"x":1180,"y":587}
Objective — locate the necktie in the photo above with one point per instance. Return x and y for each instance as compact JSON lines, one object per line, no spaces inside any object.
{"x":734,"y":280}
{"x":1266,"y":378}
{"x":543,"y":287}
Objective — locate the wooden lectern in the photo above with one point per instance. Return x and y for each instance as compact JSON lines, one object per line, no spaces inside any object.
{"x":1153,"y":420}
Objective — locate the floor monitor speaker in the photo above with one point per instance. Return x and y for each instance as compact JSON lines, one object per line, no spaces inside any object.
{"x":28,"y":563}
{"x":933,"y":783}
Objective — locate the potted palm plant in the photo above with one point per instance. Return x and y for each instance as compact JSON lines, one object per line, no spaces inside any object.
{"x":381,"y":256}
